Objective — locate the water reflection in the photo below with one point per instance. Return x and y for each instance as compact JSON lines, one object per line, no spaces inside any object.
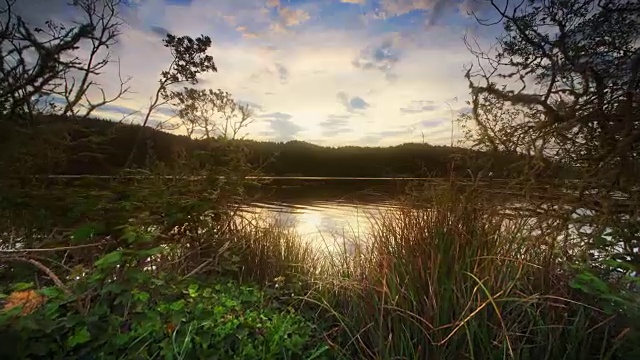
{"x":331,"y":224}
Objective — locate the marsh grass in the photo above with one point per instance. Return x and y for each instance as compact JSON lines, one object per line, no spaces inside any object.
{"x":458,"y":280}
{"x":447,"y":278}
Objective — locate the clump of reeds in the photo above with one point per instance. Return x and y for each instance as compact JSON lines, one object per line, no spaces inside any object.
{"x":458,"y":280}
{"x":267,"y":250}
{"x":244,"y":247}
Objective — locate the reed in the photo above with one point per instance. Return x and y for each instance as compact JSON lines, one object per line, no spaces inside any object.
{"x":457,"y":280}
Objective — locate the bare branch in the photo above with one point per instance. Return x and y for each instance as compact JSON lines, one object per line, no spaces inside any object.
{"x":56,"y":280}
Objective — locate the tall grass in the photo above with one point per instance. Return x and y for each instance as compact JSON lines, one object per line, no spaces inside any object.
{"x":237,"y":246}
{"x":459,"y":281}
{"x":454,"y":279}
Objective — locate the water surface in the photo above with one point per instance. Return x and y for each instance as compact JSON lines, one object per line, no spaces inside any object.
{"x":327,"y":212}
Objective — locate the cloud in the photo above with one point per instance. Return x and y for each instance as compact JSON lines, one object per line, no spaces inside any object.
{"x":335,"y":125}
{"x":36,"y":12}
{"x":246,"y":33}
{"x":382,"y":58}
{"x":292,"y":17}
{"x":250,"y":35}
{"x":352,"y":103}
{"x":370,"y":140}
{"x":252,"y":106}
{"x":297,"y":73}
{"x":467,"y":7}
{"x":361,"y":2}
{"x":431,"y":123}
{"x":436,"y":8}
{"x":417,"y":107}
{"x":283,"y":72}
{"x":335,"y":132}
{"x":159,"y":30}
{"x":278,"y":70}
{"x":334,"y":121}
{"x":276,"y":115}
{"x":465,"y":110}
{"x":394,"y":133}
{"x":165,"y":110}
{"x":119,"y":110}
{"x":282,"y":128}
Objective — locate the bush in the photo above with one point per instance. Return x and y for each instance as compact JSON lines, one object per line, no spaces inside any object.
{"x":155,"y":317}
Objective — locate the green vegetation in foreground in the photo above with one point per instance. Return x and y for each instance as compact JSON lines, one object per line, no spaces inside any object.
{"x":144,"y":316}
{"x":453,"y":281}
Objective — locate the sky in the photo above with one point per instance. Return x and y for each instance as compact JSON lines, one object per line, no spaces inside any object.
{"x":330,"y":72}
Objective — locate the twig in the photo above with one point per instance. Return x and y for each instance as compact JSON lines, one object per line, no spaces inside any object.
{"x":197,"y":269}
{"x":62,"y":248}
{"x":45,"y":269}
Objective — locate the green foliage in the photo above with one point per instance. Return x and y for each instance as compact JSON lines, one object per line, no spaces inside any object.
{"x":144,"y":317}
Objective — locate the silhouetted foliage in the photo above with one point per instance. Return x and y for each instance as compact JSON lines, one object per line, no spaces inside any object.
{"x":563,"y":84}
{"x":101,"y":147}
{"x":189,"y":59}
{"x":207,"y":114}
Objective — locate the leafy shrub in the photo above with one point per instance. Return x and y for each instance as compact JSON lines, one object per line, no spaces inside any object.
{"x":145,"y":317}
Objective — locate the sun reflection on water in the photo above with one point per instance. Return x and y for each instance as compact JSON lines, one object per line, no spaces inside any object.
{"x":328,"y":225}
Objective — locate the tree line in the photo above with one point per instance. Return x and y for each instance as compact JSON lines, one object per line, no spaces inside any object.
{"x":94,"y":146}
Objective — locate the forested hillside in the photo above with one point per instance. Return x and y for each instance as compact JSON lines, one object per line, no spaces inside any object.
{"x":94,"y":146}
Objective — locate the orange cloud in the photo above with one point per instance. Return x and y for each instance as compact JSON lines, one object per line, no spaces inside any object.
{"x":292,"y":17}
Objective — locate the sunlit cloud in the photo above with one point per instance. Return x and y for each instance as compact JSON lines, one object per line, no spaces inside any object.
{"x":292,"y":17}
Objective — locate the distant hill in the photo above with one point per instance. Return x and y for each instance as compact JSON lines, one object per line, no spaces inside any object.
{"x":94,"y":146}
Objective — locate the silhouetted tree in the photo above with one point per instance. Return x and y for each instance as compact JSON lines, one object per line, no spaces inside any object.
{"x":41,"y":71}
{"x":208,"y":114}
{"x":563,"y":84}
{"x":189,"y":59}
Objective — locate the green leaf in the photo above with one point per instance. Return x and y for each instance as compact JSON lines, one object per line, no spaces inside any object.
{"x":51,"y":292}
{"x":9,"y":314}
{"x":616,"y":264}
{"x":193,"y":290}
{"x":129,"y":234}
{"x":177,"y":305}
{"x":150,"y":252}
{"x":207,"y":292}
{"x":21,"y":286}
{"x":111,"y":258}
{"x":141,"y":295}
{"x":79,"y":337}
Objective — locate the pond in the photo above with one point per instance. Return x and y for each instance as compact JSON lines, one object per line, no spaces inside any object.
{"x":327,"y":211}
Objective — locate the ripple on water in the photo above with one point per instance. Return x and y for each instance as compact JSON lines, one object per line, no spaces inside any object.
{"x":326,"y":224}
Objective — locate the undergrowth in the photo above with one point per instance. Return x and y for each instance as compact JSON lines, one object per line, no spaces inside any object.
{"x":458,"y":280}
{"x":451,"y":280}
